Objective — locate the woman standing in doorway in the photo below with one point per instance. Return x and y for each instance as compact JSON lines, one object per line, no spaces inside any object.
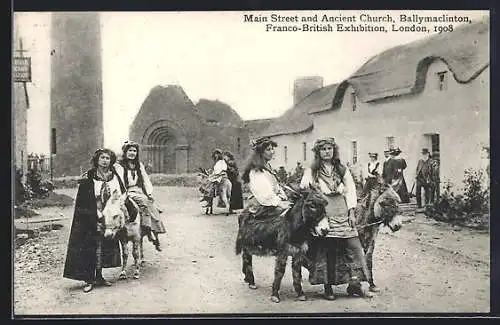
{"x":140,"y":189}
{"x":337,"y":257}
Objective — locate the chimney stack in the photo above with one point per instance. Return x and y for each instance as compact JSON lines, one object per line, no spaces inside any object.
{"x":303,"y":86}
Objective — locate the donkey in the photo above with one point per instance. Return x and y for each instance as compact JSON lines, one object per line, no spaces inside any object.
{"x":207,"y":190}
{"x":378,"y":207}
{"x":281,"y":236}
{"x":118,"y":222}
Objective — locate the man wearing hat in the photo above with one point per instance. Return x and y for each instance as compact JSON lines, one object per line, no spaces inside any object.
{"x":424,"y":178}
{"x":436,"y":180}
{"x":387,"y":156}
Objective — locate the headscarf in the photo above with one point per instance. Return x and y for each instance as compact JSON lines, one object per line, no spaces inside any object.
{"x":260,"y":144}
{"x":321,"y":142}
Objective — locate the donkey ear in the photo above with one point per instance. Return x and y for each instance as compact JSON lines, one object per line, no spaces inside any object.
{"x":123,"y":197}
{"x":115,"y":195}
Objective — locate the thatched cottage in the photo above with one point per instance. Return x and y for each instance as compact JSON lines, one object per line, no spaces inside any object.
{"x":432,"y":93}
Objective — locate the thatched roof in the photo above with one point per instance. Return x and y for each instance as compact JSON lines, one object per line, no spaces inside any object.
{"x":255,"y":127}
{"x":398,"y":71}
{"x":401,"y":70}
{"x":215,"y":111}
{"x":297,"y":119}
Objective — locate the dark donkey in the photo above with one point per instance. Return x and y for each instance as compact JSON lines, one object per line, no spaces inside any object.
{"x":207,"y":189}
{"x":266,"y":234}
{"x":379,"y":206}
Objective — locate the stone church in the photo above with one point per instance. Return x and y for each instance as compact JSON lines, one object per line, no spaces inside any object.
{"x":178,"y":136}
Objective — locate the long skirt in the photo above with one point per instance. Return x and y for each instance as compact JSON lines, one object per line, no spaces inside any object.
{"x":339,"y":256}
{"x":224,"y":189}
{"x":236,"y":202}
{"x":336,"y":261}
{"x":402,"y":190}
{"x":150,"y":218}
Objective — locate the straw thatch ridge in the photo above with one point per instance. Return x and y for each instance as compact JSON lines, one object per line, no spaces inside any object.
{"x":297,"y":119}
{"x":399,"y":71}
{"x":402,"y":70}
{"x":256,"y":126}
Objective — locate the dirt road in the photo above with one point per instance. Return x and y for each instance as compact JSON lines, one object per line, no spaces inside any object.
{"x":425,"y":267}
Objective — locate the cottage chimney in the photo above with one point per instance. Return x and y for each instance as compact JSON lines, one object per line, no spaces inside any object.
{"x":303,"y":86}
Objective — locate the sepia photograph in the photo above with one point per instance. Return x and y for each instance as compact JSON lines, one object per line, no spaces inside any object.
{"x":274,"y":162}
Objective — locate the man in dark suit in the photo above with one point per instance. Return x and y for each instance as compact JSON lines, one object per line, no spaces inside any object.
{"x":424,"y":178}
{"x":436,"y":181}
{"x":387,"y":157}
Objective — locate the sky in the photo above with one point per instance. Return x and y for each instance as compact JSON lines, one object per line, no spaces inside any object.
{"x":212,"y":55}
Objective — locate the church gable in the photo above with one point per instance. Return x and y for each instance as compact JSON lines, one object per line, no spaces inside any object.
{"x":168,"y":103}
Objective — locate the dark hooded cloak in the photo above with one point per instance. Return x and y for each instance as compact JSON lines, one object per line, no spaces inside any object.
{"x":81,"y":254}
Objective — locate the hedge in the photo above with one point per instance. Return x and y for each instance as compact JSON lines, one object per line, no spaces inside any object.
{"x":184,"y":180}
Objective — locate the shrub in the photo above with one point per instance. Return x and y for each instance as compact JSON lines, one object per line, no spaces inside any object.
{"x":471,"y":205}
{"x":19,"y":189}
{"x":185,"y":180}
{"x":36,"y":186}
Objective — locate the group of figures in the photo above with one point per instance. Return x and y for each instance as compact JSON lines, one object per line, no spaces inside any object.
{"x":114,"y":204}
{"x":391,"y":171}
{"x":223,"y":182}
{"x":318,"y":221}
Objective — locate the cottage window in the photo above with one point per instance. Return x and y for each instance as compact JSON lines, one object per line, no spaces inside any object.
{"x":304,"y":150}
{"x":353,"y":100}
{"x":442,"y":78}
{"x":354,"y":145}
{"x":285,"y":154}
{"x":390,"y":142}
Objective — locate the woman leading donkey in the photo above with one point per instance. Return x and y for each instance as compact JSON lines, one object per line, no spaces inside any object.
{"x":336,"y":253}
{"x":220,"y":180}
{"x":89,"y":248}
{"x":140,"y":189}
{"x":274,"y":223}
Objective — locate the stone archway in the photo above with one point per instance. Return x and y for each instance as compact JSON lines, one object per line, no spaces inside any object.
{"x":165,"y":147}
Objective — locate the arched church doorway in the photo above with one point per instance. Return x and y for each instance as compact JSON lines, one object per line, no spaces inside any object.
{"x":165,"y":149}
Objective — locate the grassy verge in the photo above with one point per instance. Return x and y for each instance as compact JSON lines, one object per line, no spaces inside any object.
{"x":184,"y":180}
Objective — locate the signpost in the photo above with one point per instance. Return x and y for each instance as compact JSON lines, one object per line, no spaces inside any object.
{"x":21,"y":65}
{"x":21,"y":73}
{"x":21,"y":69}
